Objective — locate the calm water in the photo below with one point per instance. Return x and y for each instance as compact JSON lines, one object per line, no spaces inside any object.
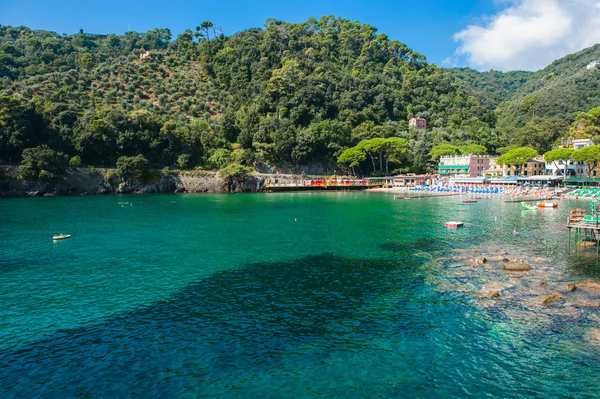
{"x":229,"y":296}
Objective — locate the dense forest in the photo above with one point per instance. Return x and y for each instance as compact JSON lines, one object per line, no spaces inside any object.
{"x":284,"y":95}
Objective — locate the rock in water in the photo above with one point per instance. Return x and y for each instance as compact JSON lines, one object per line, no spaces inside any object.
{"x":570,"y":287}
{"x":480,"y":260}
{"x":591,"y":286}
{"x":550,"y":299}
{"x":493,"y":294}
{"x":543,"y":284}
{"x":594,"y":335}
{"x":514,"y":275}
{"x":517,"y":267}
{"x":584,"y":304}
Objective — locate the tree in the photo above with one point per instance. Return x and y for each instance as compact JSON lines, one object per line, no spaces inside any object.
{"x":444,"y":150}
{"x":395,"y":148}
{"x":518,"y":156}
{"x":42,"y":163}
{"x":86,"y":61}
{"x":352,"y":157}
{"x":560,"y":154}
{"x":590,"y":155}
{"x":472,"y":149}
{"x":75,"y":161}
{"x":132,"y":168}
{"x":374,"y":147}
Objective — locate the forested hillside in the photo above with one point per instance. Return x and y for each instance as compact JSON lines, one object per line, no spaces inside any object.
{"x":287,"y":94}
{"x":490,"y":88}
{"x":535,"y":109}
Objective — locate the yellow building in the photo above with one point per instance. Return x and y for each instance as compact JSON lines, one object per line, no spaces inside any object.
{"x":494,"y":170}
{"x":533,"y":167}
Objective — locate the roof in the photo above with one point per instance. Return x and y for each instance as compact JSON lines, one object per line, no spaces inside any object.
{"x":541,"y":178}
{"x":503,"y":180}
{"x":468,"y":179}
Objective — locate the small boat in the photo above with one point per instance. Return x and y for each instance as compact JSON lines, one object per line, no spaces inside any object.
{"x":454,"y":225}
{"x":547,"y":204}
{"x":61,"y":237}
{"x":469,"y":201}
{"x":407,"y":198}
{"x":478,"y":198}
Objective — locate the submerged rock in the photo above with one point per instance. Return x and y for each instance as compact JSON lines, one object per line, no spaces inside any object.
{"x":480,"y":260}
{"x":587,"y":243}
{"x":515,"y":275}
{"x":517,"y":267}
{"x":540,"y":260}
{"x":550,"y":299}
{"x":494,"y":288}
{"x":497,"y":258}
{"x":589,"y":286}
{"x":543,"y":284}
{"x":584,"y":303}
{"x":594,"y":335}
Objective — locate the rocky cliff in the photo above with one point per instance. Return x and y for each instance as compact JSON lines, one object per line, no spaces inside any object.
{"x":91,"y":181}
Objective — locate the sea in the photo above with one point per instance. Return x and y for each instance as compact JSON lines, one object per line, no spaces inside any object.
{"x":293,"y":295}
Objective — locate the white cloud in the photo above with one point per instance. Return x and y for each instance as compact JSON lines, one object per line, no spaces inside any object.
{"x":530,"y":34}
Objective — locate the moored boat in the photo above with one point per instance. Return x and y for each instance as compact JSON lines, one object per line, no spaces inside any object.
{"x":547,"y":204}
{"x":469,"y":201}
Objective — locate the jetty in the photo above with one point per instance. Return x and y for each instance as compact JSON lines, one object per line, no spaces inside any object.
{"x":585,"y":226}
{"x":325,"y":184}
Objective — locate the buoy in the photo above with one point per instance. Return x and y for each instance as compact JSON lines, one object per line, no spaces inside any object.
{"x":454,"y":225}
{"x":295,"y":219}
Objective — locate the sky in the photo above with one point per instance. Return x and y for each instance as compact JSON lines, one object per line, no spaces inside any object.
{"x":482,"y":34}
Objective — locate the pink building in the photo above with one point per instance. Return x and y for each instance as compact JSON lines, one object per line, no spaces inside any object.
{"x":417,"y":123}
{"x":464,"y":166}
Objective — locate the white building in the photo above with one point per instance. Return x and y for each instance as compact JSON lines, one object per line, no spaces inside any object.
{"x":579,"y":144}
{"x":593,"y":64}
{"x":574,"y":169}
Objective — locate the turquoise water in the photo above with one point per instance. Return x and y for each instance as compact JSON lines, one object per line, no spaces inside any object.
{"x":285,"y":296}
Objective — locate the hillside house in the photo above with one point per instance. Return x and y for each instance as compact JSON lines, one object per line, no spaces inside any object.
{"x":417,"y":123}
{"x":593,"y":64}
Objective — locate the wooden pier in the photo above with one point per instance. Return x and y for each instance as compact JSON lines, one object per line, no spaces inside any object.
{"x":585,"y":229}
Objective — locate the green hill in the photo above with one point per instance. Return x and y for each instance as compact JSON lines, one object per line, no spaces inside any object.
{"x":289,"y":94}
{"x":285,"y":95}
{"x":537,"y":108}
{"x":490,"y":88}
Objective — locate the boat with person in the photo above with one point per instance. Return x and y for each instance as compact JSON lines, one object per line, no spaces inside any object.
{"x":61,"y":237}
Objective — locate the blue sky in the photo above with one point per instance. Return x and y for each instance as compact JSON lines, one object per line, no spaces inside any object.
{"x":484,"y":34}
